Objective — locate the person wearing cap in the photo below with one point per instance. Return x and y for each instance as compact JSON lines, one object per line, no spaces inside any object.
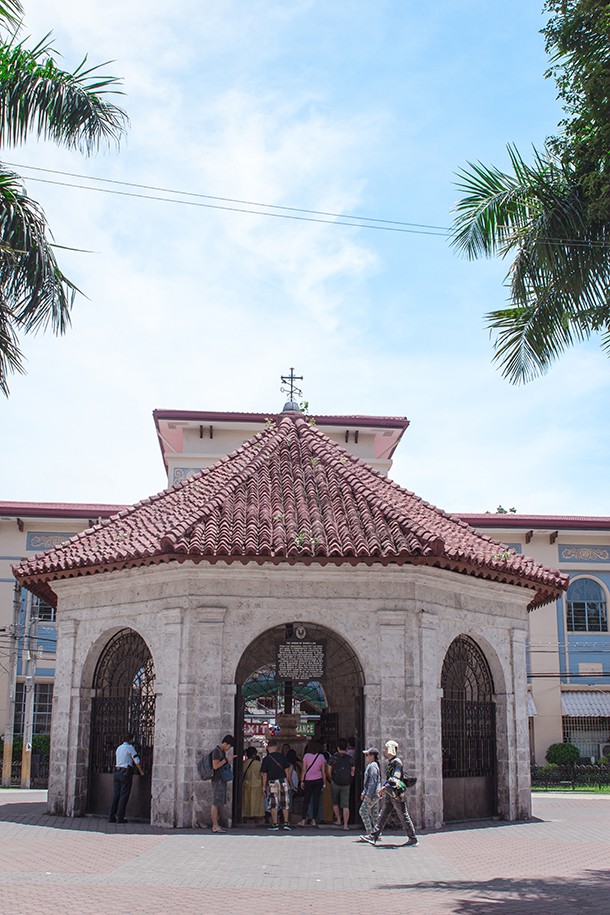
{"x":369,"y":808}
{"x":392,"y":794}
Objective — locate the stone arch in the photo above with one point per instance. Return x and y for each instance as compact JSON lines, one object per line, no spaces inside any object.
{"x":468,"y":732}
{"x":342,"y":686}
{"x":123,"y":701}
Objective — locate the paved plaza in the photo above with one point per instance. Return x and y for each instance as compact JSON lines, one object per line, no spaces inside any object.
{"x":555,"y":864}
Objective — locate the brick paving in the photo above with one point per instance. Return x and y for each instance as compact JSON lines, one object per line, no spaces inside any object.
{"x":555,"y":864}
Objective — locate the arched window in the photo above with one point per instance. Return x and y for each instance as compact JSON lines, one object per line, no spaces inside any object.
{"x":587,"y":611}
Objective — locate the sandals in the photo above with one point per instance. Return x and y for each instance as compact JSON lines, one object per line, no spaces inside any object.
{"x":218,"y":829}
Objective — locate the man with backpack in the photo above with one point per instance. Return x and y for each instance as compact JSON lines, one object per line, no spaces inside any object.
{"x":340,"y":773}
{"x":219,"y":759}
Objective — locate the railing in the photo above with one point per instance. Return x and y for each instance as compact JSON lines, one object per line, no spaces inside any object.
{"x":570,"y":776}
{"x":39,"y":777}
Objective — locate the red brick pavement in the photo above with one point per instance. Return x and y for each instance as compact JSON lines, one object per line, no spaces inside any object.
{"x":553,"y":865}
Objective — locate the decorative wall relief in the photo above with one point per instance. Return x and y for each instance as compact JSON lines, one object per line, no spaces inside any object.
{"x":45,"y":540}
{"x":584,"y":553}
{"x":184,"y":473}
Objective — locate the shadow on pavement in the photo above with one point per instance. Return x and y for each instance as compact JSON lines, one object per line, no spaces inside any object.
{"x":588,"y":892}
{"x":15,"y":808}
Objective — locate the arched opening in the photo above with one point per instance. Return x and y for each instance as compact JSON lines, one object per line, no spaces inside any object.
{"x":299,"y":682}
{"x":468,"y":725}
{"x":124,"y":702}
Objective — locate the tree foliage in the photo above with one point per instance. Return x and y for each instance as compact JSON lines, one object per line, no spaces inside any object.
{"x":38,"y":99}
{"x":578,"y":42}
{"x":552,"y":217}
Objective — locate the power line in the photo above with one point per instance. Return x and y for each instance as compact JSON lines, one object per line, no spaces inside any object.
{"x":366,"y":222}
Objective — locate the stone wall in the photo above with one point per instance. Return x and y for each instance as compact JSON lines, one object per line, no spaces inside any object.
{"x":198,"y":620}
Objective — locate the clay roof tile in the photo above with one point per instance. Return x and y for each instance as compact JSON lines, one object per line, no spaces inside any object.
{"x":290,"y":491}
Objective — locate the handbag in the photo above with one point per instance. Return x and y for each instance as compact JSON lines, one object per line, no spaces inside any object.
{"x":226,"y":773}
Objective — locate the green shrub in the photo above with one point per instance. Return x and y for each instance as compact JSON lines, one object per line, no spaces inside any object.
{"x":562,"y":754}
{"x":41,"y":743}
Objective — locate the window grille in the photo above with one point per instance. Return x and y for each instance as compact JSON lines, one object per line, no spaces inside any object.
{"x":586,"y":733}
{"x":43,"y":704}
{"x":46,"y":613}
{"x":587,"y":610}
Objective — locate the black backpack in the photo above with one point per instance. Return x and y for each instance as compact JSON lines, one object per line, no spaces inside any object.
{"x":342,"y":769}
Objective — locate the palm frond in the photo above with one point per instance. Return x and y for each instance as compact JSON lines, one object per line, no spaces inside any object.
{"x":34,"y":293}
{"x":37,"y":97}
{"x":11,"y":12}
{"x":560,"y":273}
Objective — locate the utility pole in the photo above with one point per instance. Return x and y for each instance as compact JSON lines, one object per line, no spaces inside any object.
{"x":7,"y":759}
{"x":30,"y":690}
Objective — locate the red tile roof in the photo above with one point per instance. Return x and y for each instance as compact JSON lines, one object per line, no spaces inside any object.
{"x":288,"y":494}
{"x":58,"y":509}
{"x":561,"y":522}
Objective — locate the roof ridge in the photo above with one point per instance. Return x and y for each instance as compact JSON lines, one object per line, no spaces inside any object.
{"x":225,"y":490}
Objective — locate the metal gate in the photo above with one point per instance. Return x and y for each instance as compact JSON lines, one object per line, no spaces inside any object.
{"x":124,"y":703}
{"x":468,"y":724}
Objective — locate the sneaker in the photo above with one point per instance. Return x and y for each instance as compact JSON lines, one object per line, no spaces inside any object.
{"x":287,"y":826}
{"x":273,"y":827}
{"x":372,"y":839}
{"x":412,"y":841}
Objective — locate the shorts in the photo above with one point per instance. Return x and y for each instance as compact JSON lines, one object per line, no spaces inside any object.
{"x":219,"y":793}
{"x":340,"y":795}
{"x":278,"y":794}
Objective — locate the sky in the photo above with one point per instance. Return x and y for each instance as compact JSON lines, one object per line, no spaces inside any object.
{"x":361,"y":107}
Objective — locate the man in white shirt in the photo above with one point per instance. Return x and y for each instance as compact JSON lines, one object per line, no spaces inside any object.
{"x":126,"y":759}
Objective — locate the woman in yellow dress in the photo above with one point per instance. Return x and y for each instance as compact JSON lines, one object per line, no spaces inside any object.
{"x":253,"y":804}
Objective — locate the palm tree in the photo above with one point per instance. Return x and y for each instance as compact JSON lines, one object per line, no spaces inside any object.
{"x":38,"y":98}
{"x":560,"y":275}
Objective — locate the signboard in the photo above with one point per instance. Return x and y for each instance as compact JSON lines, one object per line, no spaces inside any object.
{"x":256,"y":729}
{"x":300,"y":660}
{"x":306,"y":729}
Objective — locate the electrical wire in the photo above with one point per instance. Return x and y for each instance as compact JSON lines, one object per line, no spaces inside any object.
{"x":366,"y":222}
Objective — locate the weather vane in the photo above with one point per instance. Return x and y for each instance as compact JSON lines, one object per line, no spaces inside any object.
{"x":291,"y":388}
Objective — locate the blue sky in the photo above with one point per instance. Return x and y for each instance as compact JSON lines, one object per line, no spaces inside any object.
{"x":351,"y":107}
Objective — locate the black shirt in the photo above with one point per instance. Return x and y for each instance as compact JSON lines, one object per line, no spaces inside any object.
{"x":275,"y":765}
{"x":217,"y":753}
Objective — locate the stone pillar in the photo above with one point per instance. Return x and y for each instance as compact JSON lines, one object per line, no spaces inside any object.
{"x":62,"y":759}
{"x":168,"y":753}
{"x":431,"y":768}
{"x":522,"y":801}
{"x":372,"y":716}
{"x":211,"y":712}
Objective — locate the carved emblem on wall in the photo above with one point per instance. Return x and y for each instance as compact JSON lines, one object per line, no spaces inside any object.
{"x":184,"y":473}
{"x":43,"y":540}
{"x":584,"y":553}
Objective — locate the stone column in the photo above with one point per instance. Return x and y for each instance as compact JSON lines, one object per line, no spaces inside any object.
{"x":522,"y":802}
{"x":168,"y":751}
{"x":204,"y":729}
{"x":62,"y":759}
{"x":431,"y":768}
{"x":372,"y":716}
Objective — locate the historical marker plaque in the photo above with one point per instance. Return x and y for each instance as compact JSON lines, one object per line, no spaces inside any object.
{"x":300,"y":660}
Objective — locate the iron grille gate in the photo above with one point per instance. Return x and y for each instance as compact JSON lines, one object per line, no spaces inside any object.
{"x":124,"y":703}
{"x":468,"y":732}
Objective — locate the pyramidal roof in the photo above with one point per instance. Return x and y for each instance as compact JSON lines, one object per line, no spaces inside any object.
{"x":289,"y":494}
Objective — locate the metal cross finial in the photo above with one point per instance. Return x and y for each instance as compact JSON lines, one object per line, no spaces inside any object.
{"x":292,"y":389}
